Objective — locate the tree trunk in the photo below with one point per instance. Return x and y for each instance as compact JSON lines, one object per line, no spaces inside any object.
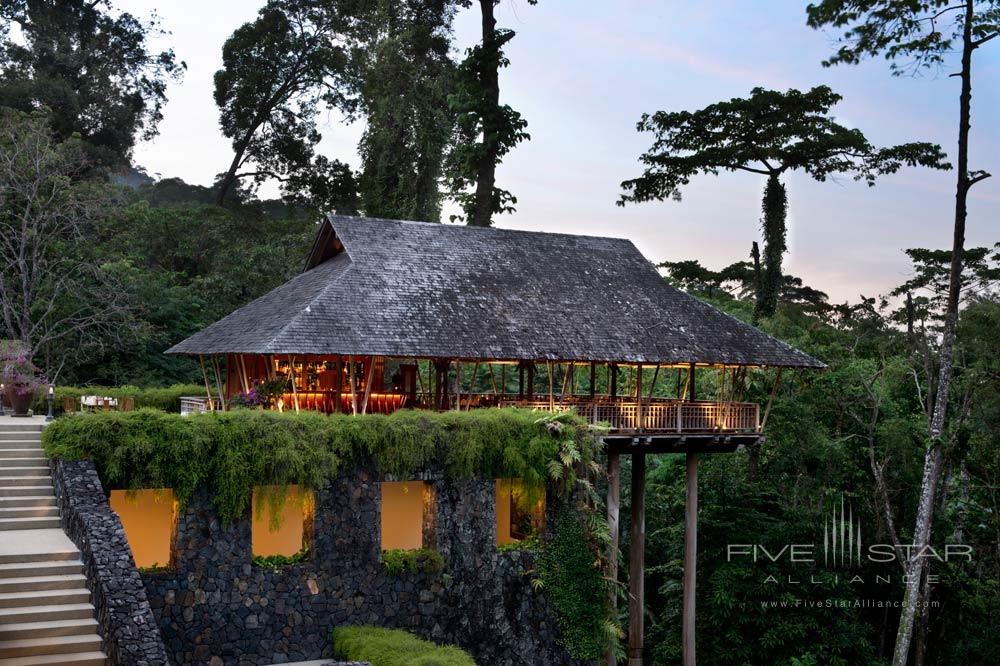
{"x":489,"y":79}
{"x":775,"y":208}
{"x":933,"y":457}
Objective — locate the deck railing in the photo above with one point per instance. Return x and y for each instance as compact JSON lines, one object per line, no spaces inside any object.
{"x":659,"y":415}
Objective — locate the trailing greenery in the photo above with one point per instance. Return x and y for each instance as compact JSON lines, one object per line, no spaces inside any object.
{"x":397,"y":561}
{"x":166,"y":399}
{"x":233,"y":452}
{"x":574,"y":584}
{"x":394,"y":647}
{"x":278,"y":561}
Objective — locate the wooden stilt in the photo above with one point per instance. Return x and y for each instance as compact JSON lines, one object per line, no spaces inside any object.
{"x":637,"y":564}
{"x":351,"y":382}
{"x":218,"y":383}
{"x":640,"y":421}
{"x":614,"y":498}
{"x":552,"y":398}
{"x":295,"y":390}
{"x":690,"y":561}
{"x":368,"y":384}
{"x":770,"y":400}
{"x":208,"y":388}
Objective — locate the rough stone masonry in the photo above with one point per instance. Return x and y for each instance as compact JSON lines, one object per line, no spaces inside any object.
{"x":214,"y":607}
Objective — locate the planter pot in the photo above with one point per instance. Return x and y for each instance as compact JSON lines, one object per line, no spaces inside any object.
{"x":20,"y":404}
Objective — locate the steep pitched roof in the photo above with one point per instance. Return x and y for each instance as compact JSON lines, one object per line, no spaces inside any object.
{"x":392,"y":288}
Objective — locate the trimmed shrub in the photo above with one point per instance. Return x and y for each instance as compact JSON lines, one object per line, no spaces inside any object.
{"x":234,"y":451}
{"x":398,"y":561}
{"x":394,"y":647}
{"x":166,"y":399}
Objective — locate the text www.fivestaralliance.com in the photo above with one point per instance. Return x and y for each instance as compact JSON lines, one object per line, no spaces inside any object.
{"x":840,"y":603}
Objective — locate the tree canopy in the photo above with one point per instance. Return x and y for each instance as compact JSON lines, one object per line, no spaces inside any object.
{"x":768,"y":133}
{"x":278,"y":72}
{"x":91,"y":66}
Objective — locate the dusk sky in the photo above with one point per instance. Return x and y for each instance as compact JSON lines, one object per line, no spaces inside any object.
{"x":583,"y":72}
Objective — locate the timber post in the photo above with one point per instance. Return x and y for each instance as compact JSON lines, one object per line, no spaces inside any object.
{"x":690,"y":561}
{"x":614,"y":505}
{"x":637,"y":565}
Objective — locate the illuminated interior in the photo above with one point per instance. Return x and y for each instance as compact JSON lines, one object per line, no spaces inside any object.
{"x":279,"y":521}
{"x":149,"y":517}
{"x":402,"y":514}
{"x":520,"y":512}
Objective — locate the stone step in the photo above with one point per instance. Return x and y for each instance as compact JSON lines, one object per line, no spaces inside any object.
{"x":39,"y":487}
{"x":46,"y":613}
{"x":23,"y":450}
{"x":27,"y":501}
{"x":20,"y":630}
{"x":29,"y":523}
{"x":21,"y":435}
{"x":45,"y":568}
{"x":25,"y":461}
{"x":51,"y":555}
{"x":28,"y":512}
{"x":95,"y":658}
{"x":24,"y":476}
{"x":60,"y":645}
{"x":44,"y":598}
{"x":7,"y":444}
{"x":40,"y":583}
{"x":7,"y":472}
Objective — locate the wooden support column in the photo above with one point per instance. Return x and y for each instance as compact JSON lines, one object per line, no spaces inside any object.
{"x":218,"y":382}
{"x":614,"y":503}
{"x":637,"y":561}
{"x":690,"y":561}
{"x":639,"y":416}
{"x":613,"y":380}
{"x":338,"y":384}
{"x":291,"y":374}
{"x":593,"y":379}
{"x":208,"y":388}
{"x":531,"y":381}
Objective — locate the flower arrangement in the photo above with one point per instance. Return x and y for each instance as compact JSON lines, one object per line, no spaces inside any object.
{"x":263,"y":394}
{"x":21,"y":378}
{"x":17,"y":371}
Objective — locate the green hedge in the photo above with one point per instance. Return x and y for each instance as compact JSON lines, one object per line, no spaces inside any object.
{"x":394,"y":647}
{"x":232,"y":452}
{"x":167,"y":399}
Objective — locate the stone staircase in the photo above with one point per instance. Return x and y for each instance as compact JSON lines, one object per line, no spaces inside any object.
{"x":45,"y":612}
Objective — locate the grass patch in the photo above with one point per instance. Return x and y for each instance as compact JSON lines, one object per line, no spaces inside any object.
{"x":398,"y":561}
{"x":394,"y":647}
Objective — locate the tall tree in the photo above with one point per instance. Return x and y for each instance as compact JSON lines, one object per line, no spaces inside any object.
{"x":406,"y":74}
{"x":91,"y":66}
{"x":487,"y":129}
{"x":278,"y":72}
{"x":768,"y":133}
{"x":56,"y":296}
{"x":916,"y":35}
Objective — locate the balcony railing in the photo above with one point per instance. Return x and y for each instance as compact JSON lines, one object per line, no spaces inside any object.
{"x":659,"y":415}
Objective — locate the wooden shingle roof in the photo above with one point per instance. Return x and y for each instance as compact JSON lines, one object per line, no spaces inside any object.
{"x":413,"y":289}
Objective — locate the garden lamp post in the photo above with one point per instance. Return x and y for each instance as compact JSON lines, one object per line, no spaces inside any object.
{"x":1,"y":400}
{"x":51,"y":397}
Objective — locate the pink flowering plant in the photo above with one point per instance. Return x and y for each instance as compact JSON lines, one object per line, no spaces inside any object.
{"x":17,"y":371}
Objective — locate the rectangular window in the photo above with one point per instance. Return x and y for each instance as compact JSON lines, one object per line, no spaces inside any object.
{"x":281,"y":520}
{"x":403,"y":514}
{"x":149,"y":517}
{"x":520,"y":510}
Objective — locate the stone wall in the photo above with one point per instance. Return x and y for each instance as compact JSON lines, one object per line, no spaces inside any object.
{"x":126,"y":623}
{"x":215,"y":607}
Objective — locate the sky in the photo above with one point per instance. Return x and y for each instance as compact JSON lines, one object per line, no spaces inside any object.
{"x":582,"y":72}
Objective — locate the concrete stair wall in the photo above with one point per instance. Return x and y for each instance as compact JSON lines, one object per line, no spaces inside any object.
{"x":45,"y":612}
